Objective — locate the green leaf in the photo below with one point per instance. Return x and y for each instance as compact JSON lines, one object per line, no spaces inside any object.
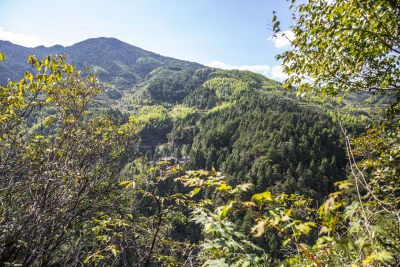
{"x":305,"y":227}
{"x":263,"y":197}
{"x":195,"y":191}
{"x":276,"y":25}
{"x":382,"y":256}
{"x":351,"y":209}
{"x":224,"y":209}
{"x":114,"y":252}
{"x":88,"y":259}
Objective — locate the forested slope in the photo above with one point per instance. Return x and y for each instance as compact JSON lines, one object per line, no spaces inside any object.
{"x":239,"y":123}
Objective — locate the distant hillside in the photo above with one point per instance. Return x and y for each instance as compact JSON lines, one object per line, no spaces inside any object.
{"x":118,"y":63}
{"x":239,"y":122}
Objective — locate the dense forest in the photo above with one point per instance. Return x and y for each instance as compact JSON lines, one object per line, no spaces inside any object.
{"x":112,"y":155}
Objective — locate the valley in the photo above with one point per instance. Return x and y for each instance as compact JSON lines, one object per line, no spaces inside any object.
{"x":237,"y":125}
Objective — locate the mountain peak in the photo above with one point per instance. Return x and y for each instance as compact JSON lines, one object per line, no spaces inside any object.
{"x":110,"y":57}
{"x":96,"y":40}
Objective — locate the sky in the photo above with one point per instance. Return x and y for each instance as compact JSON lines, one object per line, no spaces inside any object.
{"x":229,"y":34}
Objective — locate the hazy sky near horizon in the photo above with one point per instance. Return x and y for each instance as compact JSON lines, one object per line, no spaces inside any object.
{"x":219,"y":33}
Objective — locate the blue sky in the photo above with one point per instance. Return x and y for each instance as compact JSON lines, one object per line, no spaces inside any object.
{"x":220,"y":33}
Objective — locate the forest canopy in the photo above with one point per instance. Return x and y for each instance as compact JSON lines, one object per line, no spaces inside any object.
{"x":344,"y":46}
{"x":116,"y":178}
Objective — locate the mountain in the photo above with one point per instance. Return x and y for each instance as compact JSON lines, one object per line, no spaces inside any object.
{"x":238,"y":122}
{"x":116,"y":62}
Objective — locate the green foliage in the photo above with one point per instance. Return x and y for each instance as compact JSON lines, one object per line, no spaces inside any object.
{"x":144,"y":231}
{"x":226,"y":88}
{"x":146,"y":65}
{"x":219,"y":108}
{"x":347,"y":233}
{"x":262,"y":140}
{"x":152,"y":114}
{"x":124,"y":66}
{"x":62,"y":190}
{"x":344,"y":46}
{"x":156,"y":123}
{"x":181,"y":112}
{"x":173,"y":86}
{"x":67,"y":155}
{"x":224,"y":243}
{"x":51,"y":185}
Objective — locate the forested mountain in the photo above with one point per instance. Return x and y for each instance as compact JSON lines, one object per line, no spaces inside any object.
{"x":237,"y":122}
{"x":70,"y":142}
{"x":116,"y":62}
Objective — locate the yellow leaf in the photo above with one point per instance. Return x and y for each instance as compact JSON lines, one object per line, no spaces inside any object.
{"x":366,"y":261}
{"x":262,"y":197}
{"x":195,"y":191}
{"x":130,"y":184}
{"x":224,"y":187}
{"x":288,"y":212}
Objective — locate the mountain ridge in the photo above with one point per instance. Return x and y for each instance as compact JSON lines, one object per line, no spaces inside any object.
{"x":237,"y":122}
{"x":100,"y":52}
{"x":115,"y":41}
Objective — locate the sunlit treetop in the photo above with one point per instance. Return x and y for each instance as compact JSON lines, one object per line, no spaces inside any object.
{"x":344,"y":46}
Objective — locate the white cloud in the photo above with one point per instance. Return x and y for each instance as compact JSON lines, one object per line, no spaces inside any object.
{"x":263,"y":69}
{"x":282,"y":39}
{"x":274,"y":72}
{"x":21,"y":38}
{"x":277,"y":73}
